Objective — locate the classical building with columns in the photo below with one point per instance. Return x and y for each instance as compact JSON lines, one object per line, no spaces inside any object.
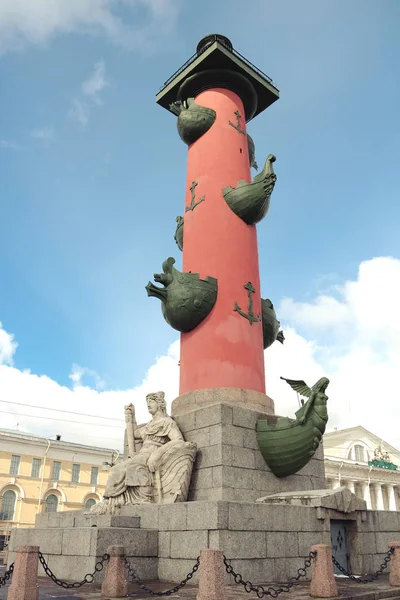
{"x":365,"y":464}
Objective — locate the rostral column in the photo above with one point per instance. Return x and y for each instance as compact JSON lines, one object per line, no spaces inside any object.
{"x":215,"y":302}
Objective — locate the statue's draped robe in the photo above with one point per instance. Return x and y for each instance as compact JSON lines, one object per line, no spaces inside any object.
{"x":130,"y":482}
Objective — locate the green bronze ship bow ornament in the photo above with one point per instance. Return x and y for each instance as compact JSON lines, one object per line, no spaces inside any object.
{"x":287,"y":445}
{"x":193,"y":120}
{"x":270,"y":324}
{"x":250,"y":201}
{"x":186,"y":299}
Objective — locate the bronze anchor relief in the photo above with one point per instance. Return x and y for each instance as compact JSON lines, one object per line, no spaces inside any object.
{"x":193,"y":202}
{"x":238,"y":123}
{"x":250,"y":314}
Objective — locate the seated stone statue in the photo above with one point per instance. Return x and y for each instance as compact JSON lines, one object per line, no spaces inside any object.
{"x":159,"y":471}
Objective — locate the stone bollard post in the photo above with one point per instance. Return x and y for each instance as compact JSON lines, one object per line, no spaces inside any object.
{"x":24,"y":579}
{"x":394,"y":577}
{"x":323,"y":584}
{"x":115,"y":584}
{"x":212,"y":580}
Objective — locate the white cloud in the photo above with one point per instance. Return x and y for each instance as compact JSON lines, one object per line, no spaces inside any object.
{"x":79,"y":112}
{"x":96,"y":82}
{"x":91,"y":88}
{"x":9,"y":145}
{"x":8,"y":346}
{"x":27,"y":22}
{"x":44,"y":134}
{"x":361,"y":359}
{"x":357,"y":344}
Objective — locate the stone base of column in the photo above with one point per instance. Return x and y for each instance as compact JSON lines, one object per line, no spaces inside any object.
{"x":229,"y":464}
{"x":233,"y":396}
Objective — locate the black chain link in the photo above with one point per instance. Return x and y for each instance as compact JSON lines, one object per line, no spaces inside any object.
{"x":374,"y":577}
{"x":89,"y":577}
{"x":270,"y":591}
{"x":7,"y":575}
{"x":179,"y":586}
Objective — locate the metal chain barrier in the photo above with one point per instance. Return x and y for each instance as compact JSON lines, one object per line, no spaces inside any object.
{"x":270,"y":591}
{"x":89,"y":577}
{"x":179,"y":586}
{"x":7,"y":576}
{"x":386,"y":561}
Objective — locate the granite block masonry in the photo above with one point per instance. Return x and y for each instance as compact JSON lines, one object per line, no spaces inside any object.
{"x":229,"y":464}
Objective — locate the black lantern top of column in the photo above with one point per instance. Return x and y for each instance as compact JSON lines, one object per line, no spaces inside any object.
{"x":217,"y":64}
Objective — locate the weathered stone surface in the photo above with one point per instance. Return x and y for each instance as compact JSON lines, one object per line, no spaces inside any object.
{"x":170,"y":569}
{"x":231,"y":396}
{"x":186,"y":545}
{"x":164,"y":544}
{"x":310,"y":538}
{"x":340,"y":499}
{"x":282,"y":544}
{"x":173,"y":517}
{"x":239,"y":544}
{"x":78,"y":541}
{"x":136,"y":542}
{"x":89,"y":520}
{"x":147,"y":513}
{"x":48,"y":540}
{"x":207,"y":515}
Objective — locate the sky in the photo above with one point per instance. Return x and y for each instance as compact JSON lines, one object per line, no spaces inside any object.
{"x":92,"y":176}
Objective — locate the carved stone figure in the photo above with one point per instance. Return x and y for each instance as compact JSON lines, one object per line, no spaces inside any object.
{"x":186,"y":299}
{"x":159,"y":471}
{"x":250,"y":201}
{"x":287,"y":445}
{"x":380,"y":454}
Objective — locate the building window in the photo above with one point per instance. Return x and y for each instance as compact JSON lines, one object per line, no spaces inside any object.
{"x":51,"y":503}
{"x":36,"y":464}
{"x":94,"y":475}
{"x":14,"y":465}
{"x":8,"y":506}
{"x":56,"y":471}
{"x":76,"y":471}
{"x":359,"y":453}
{"x":89,"y":503}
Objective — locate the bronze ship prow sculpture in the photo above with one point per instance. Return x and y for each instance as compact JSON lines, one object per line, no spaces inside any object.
{"x":286,"y":444}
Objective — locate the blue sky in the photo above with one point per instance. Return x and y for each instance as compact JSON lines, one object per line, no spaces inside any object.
{"x":92,"y":171}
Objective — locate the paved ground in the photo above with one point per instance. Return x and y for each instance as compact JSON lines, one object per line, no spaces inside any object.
{"x":347,"y":589}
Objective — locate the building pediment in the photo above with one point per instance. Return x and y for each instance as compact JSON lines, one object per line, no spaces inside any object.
{"x":340,"y":499}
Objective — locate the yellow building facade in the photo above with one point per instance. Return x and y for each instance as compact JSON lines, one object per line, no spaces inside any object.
{"x":47,"y":475}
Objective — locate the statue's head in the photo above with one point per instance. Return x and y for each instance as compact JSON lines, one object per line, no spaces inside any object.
{"x":321,"y":384}
{"x":156,"y":401}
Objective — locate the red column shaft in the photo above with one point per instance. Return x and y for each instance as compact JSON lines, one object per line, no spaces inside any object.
{"x":224,"y":350}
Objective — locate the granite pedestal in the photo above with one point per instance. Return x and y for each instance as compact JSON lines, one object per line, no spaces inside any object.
{"x":265,"y":540}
